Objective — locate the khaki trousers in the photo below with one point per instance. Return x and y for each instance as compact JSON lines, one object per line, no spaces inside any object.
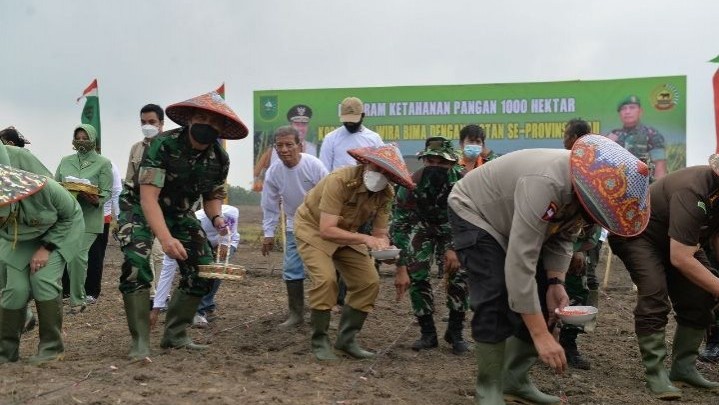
{"x":357,"y":270}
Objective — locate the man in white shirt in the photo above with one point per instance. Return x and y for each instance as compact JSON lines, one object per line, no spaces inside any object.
{"x":206,"y":309}
{"x":352,"y":134}
{"x":286,"y":183}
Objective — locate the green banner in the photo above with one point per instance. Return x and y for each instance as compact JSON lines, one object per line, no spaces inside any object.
{"x":514,"y":116}
{"x":91,"y":115}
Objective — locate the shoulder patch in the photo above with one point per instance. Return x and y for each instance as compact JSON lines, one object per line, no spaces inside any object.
{"x":550,"y":212}
{"x":703,"y":206}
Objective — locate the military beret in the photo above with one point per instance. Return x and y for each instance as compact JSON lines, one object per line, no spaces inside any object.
{"x":628,"y":100}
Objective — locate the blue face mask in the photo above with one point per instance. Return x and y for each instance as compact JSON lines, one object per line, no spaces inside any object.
{"x":472,"y":151}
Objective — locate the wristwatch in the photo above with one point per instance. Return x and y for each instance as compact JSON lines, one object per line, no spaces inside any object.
{"x":555,"y":281}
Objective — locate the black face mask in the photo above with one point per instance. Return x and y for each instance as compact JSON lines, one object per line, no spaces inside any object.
{"x":204,"y":133}
{"x":352,"y":127}
{"x":437,"y":176}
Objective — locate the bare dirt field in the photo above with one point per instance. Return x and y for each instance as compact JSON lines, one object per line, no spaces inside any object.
{"x":251,"y":361}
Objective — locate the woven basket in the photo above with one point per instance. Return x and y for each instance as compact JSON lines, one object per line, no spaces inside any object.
{"x":79,"y":187}
{"x":222,"y":271}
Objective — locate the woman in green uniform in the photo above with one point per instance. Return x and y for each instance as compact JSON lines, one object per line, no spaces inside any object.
{"x":86,"y":164}
{"x":40,"y":231}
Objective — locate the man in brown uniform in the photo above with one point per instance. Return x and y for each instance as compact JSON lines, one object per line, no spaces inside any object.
{"x":671,"y":271}
{"x":513,"y":222}
{"x":326,"y":227}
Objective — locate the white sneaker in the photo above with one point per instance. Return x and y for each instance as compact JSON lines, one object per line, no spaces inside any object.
{"x":199,"y":321}
{"x":90,"y":299}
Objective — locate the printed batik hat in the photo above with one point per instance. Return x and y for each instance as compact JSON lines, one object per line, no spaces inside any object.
{"x":611,"y":184}
{"x":16,"y":184}
{"x":439,"y":146}
{"x":389,"y":159}
{"x":714,"y":163}
{"x":211,"y":102}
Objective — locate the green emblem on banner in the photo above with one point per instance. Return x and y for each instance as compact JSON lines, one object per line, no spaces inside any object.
{"x":268,"y":107}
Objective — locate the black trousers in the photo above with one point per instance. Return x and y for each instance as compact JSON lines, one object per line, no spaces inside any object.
{"x":96,"y":263}
{"x":484,"y":257}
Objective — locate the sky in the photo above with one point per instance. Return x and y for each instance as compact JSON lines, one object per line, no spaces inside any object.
{"x":166,"y":51}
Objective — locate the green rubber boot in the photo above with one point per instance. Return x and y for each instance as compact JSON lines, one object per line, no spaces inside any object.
{"x":321,"y":347}
{"x":351,"y":323}
{"x":49,"y":315}
{"x":11,"y":324}
{"x":138,"y":321}
{"x":179,"y":316}
{"x":654,"y":352}
{"x":296,"y":302}
{"x":684,"y":359}
{"x":490,"y":359}
{"x":519,"y":357}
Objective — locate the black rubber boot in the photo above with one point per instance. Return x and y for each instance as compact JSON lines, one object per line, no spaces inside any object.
{"x":568,"y":340}
{"x":296,"y":303}
{"x":453,"y":335}
{"x":428,"y":340}
{"x":710,"y":354}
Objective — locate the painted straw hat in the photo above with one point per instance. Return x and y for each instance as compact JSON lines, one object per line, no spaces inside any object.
{"x":389,"y":159}
{"x":611,"y":183}
{"x":214,"y":103}
{"x":16,"y":184}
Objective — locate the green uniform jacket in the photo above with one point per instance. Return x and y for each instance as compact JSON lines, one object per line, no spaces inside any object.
{"x":21,"y":158}
{"x":50,"y":215}
{"x":95,"y":168}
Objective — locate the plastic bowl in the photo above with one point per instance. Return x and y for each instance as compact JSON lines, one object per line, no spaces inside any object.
{"x":387,"y":254}
{"x":577,"y":315}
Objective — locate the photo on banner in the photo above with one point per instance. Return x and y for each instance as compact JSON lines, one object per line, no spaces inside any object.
{"x":513,"y":115}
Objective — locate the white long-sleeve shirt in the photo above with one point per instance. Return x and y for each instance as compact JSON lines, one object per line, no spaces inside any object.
{"x":333,"y":152}
{"x":112,"y":205}
{"x":289,"y":185}
{"x":232,"y":216}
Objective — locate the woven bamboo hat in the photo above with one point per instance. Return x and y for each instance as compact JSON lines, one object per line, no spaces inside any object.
{"x":611,"y":183}
{"x":212,"y":102}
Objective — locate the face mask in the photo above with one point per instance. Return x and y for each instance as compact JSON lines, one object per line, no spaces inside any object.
{"x":83,"y":146}
{"x":149,"y":130}
{"x":204,"y":134}
{"x":436,"y":176}
{"x":352,"y":127}
{"x":472,"y":151}
{"x":374,"y":181}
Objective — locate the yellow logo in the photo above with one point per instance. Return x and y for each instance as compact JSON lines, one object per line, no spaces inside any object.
{"x":665,"y":97}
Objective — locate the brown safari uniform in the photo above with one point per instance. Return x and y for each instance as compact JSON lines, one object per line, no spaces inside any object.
{"x":341,"y":193}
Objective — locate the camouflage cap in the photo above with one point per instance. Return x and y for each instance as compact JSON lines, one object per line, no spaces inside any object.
{"x":632,"y":99}
{"x":439,"y":146}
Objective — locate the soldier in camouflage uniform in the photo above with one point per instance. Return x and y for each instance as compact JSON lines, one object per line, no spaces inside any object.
{"x":420,"y":227}
{"x":644,"y":142}
{"x":178,"y":168}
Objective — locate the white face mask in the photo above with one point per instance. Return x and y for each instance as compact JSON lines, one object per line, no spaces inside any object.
{"x":149,"y":130}
{"x":374,"y":181}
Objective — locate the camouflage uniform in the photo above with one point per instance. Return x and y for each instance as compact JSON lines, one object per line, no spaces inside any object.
{"x":420,"y":228}
{"x":183,"y":174}
{"x":646,"y":143}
